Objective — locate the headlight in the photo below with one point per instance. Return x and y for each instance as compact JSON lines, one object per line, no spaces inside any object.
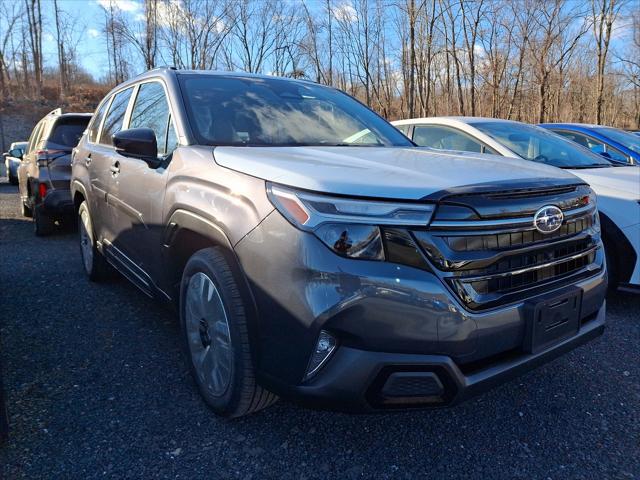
{"x":350,"y":227}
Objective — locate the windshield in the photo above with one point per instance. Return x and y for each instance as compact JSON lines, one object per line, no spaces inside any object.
{"x":540,"y":145}
{"x":245,"y":111}
{"x":629,"y":140}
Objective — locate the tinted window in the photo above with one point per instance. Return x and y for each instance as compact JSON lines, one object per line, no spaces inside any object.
{"x":152,"y":111}
{"x":94,"y":129}
{"x":229,"y":110}
{"x":540,"y":145}
{"x":444,"y":138}
{"x":115,"y":117}
{"x":68,"y":131}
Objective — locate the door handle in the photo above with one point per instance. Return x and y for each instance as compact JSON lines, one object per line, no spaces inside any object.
{"x":87,"y":160}
{"x":115,"y":168}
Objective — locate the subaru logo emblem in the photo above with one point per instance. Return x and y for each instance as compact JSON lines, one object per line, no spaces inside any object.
{"x":548,"y":219}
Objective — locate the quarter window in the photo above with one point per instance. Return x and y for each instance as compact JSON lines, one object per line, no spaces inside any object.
{"x":151,"y":110}
{"x":115,"y":117}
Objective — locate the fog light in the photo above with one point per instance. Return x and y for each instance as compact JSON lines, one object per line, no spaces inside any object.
{"x":325,"y":346}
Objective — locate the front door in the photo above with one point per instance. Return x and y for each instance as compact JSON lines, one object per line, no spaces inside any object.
{"x":138,"y":190}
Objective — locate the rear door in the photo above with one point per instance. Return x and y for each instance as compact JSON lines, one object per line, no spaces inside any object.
{"x":138,"y":192}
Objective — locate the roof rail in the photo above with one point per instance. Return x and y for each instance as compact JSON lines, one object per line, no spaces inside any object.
{"x":163,"y":67}
{"x":57,"y":111}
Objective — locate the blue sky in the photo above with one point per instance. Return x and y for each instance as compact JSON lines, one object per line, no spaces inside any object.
{"x":89,"y":19}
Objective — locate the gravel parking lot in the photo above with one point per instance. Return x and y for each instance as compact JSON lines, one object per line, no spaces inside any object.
{"x":97,"y":387}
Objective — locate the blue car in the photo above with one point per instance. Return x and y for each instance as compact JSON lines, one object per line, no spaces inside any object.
{"x":614,"y":144}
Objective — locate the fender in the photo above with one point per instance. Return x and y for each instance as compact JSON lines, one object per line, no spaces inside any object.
{"x":182,"y":220}
{"x":77,"y":186}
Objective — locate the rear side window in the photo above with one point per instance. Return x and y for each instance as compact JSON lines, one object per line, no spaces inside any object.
{"x":115,"y":117}
{"x":94,"y":129}
{"x":34,"y":136}
{"x":68,"y":131}
{"x":151,"y":110}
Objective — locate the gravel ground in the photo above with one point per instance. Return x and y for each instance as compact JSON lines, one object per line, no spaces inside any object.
{"x":97,"y":387}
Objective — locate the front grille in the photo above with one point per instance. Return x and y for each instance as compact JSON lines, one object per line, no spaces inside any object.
{"x":494,"y":258}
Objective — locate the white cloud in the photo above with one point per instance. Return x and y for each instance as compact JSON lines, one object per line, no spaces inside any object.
{"x":93,"y":33}
{"x":345,"y":13}
{"x":124,"y":5}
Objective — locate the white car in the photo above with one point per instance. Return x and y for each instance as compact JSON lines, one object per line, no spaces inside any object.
{"x":617,"y":187}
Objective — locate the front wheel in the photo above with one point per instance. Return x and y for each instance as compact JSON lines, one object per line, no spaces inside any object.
{"x":95,"y":265}
{"x":214,"y":326}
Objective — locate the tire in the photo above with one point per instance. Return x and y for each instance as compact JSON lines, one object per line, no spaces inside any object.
{"x":212,"y":311}
{"x":612,"y":265}
{"x":43,"y":224}
{"x":25,"y":210}
{"x":95,"y":265}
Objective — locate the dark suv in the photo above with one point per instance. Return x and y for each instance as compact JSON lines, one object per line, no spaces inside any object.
{"x":314,"y":252}
{"x":45,"y":170}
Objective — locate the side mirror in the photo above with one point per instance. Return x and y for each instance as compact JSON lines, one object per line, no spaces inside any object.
{"x":16,"y":152}
{"x":606,"y":155}
{"x":138,"y":143}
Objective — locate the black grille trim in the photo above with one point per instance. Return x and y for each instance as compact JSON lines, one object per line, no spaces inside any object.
{"x":488,"y":262}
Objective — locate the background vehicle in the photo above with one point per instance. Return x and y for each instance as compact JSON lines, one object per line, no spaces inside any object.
{"x":360,"y":275}
{"x":618,"y":189}
{"x":45,"y":170}
{"x":12,"y":160}
{"x":612,"y":143}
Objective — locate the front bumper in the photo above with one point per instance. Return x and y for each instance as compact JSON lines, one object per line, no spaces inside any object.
{"x":359,"y":380}
{"x":388,"y":318}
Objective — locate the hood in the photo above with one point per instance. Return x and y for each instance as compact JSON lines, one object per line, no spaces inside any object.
{"x":622,"y":182}
{"x":384,"y":172}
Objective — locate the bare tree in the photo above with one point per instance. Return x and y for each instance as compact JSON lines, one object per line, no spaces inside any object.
{"x":605,"y":13}
{"x":34,"y":16}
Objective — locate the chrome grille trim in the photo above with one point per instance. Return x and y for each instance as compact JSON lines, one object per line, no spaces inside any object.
{"x":529,"y":269}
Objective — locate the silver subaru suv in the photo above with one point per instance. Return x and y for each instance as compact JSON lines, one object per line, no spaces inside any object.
{"x":313,"y":252}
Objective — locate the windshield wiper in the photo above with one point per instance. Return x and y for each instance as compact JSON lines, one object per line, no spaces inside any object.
{"x":592,"y":165}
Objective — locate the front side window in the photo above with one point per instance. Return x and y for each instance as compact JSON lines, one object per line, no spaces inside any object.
{"x":595,"y":145}
{"x":151,"y":110}
{"x":94,"y":128}
{"x":541,"y":145}
{"x":243,"y":111}
{"x":115,"y":117}
{"x":445,"y":138}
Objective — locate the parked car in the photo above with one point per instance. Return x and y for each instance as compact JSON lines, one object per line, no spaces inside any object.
{"x":45,"y":170}
{"x":12,"y":160}
{"x":612,"y":143}
{"x":618,"y":189}
{"x":354,"y":276}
